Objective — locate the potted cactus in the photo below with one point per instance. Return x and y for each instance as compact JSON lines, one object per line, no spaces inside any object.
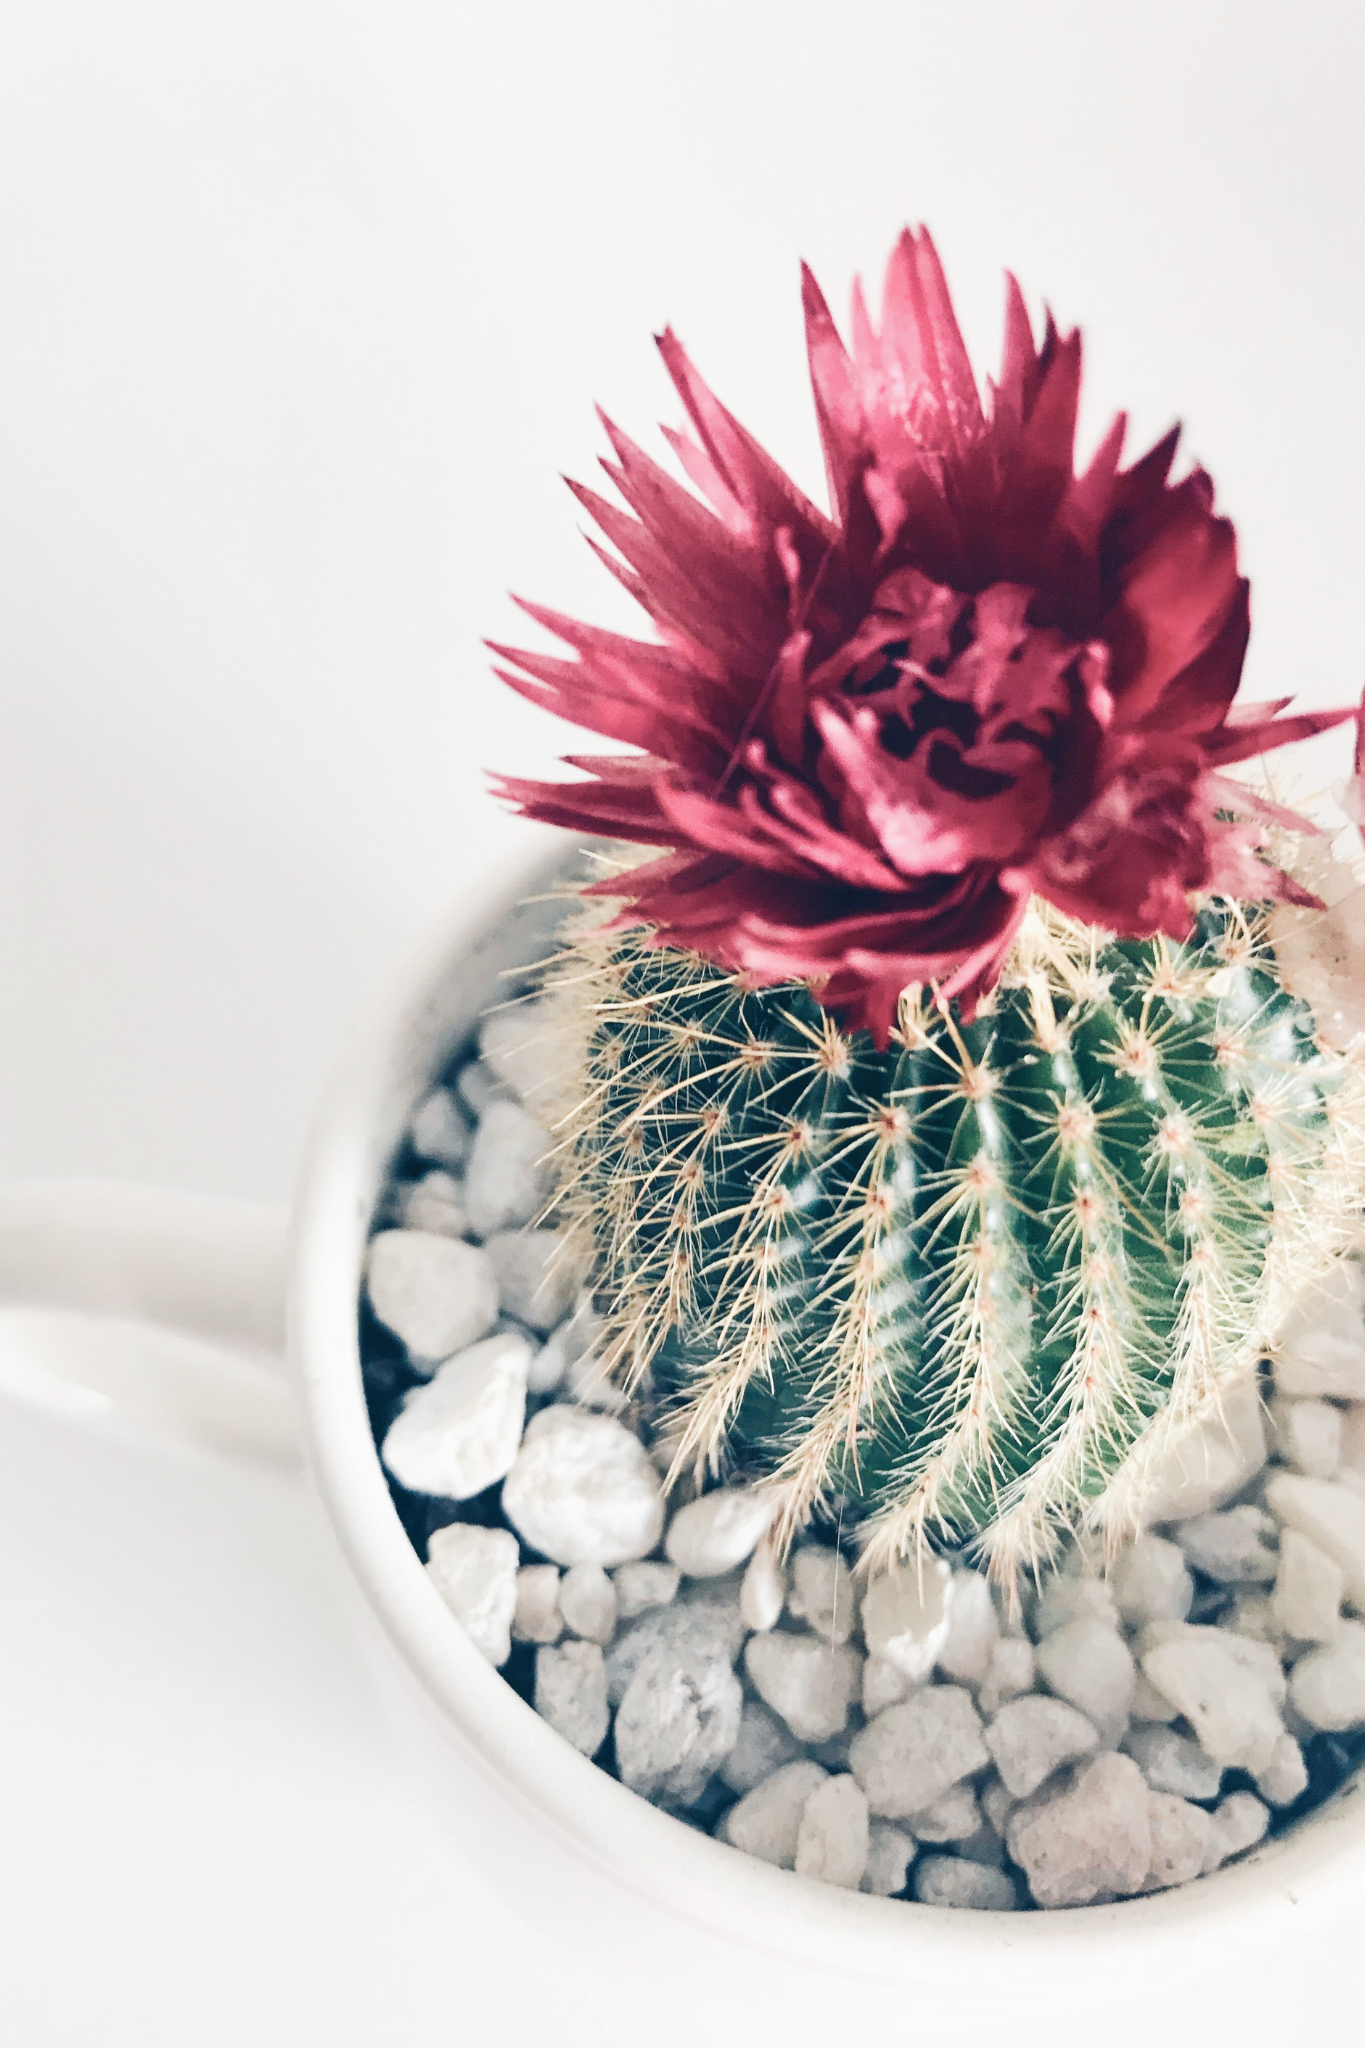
{"x":951,"y":1080}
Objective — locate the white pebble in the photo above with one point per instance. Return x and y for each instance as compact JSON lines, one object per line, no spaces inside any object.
{"x":890,"y":1852}
{"x":1329,"y":1513}
{"x":809,"y":1682}
{"x":916,"y":1751}
{"x":460,"y":1432}
{"x":1087,"y":1835}
{"x":1231,"y":1547}
{"x":1237,"y":1823}
{"x":436,"y":1294}
{"x":571,"y":1693}
{"x":973,"y":1629}
{"x":1307,"y":1436}
{"x":583,"y":1490}
{"x":523,"y":1045}
{"x":537,"y":1618}
{"x":906,"y":1615}
{"x":953,"y":1817}
{"x":548,"y":1366}
{"x":1210,"y":1461}
{"x":641,"y":1586}
{"x":763,"y":1744}
{"x":763,"y":1591}
{"x":435,"y":1203}
{"x":592,"y":1386}
{"x":537,"y":1279}
{"x":440,"y":1130}
{"x":823,"y":1594}
{"x":1088,"y":1663}
{"x":1228,"y":1705}
{"x":1072,"y":1596}
{"x":715,"y":1533}
{"x":506,"y":1178}
{"x":1009,"y":1672}
{"x":678,"y":1720}
{"x":1173,"y":1763}
{"x":1149,"y":1705}
{"x":1306,"y":1603}
{"x":477,"y":1086}
{"x":1321,"y":1349}
{"x":1353,"y":1442}
{"x":1285,"y":1776}
{"x":883,"y":1684}
{"x":767,"y":1821}
{"x":996,"y":1802}
{"x":712,"y":1628}
{"x":956,"y":1881}
{"x":1181,"y":1837}
{"x":1328,"y":1685}
{"x":1149,"y":1582}
{"x":1252,"y":1614}
{"x":1031,"y":1738}
{"x":475,"y":1572}
{"x":831,"y":1840}
{"x":587,"y":1601}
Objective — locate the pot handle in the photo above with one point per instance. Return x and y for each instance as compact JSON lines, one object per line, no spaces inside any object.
{"x":149,"y":1312}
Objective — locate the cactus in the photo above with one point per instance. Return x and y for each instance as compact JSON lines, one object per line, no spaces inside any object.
{"x":952,"y":1288}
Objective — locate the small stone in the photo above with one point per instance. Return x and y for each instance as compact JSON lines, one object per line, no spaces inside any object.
{"x":1072,"y":1596}
{"x":916,"y":1751}
{"x":436,"y":1294}
{"x":1237,"y":1823}
{"x":505,"y":1180}
{"x":582,"y":1490}
{"x":1208,"y":1462}
{"x":1088,"y":1663}
{"x":1009,"y":1672}
{"x":522,"y":1045}
{"x":954,"y":1881}
{"x":953,"y":1817}
{"x":1231,"y":1547}
{"x":973,"y":1629}
{"x":1261,"y":1659}
{"x":767,"y":1821}
{"x":1251,"y":1614}
{"x":642,"y":1586}
{"x":1149,"y":1705}
{"x":809,"y":1682}
{"x":1181,"y":1836}
{"x":460,"y":1432}
{"x":823,"y":1594}
{"x":548,"y":1366}
{"x":435,"y":1204}
{"x":1285,"y":1776}
{"x":537,"y":1618}
{"x":890,"y":1852}
{"x":475,"y":1572}
{"x":587,"y":1601}
{"x":883,"y":1684}
{"x":1031,"y":1738}
{"x":1149,"y":1582}
{"x":591,"y":1385}
{"x":763,"y":1592}
{"x":1231,"y":1710}
{"x":1307,"y":1436}
{"x":763,"y":1744}
{"x":1353,"y":1442}
{"x":1173,"y":1763}
{"x":537,"y":1280}
{"x":677,"y":1722}
{"x":1306,"y":1603}
{"x":1090,"y":1834}
{"x":1328,"y":1685}
{"x":571,"y":1694}
{"x":440,"y":1130}
{"x":1329,"y":1513}
{"x":996,"y":1803}
{"x":832,"y":1753}
{"x":1321,"y":1350}
{"x":715,"y":1533}
{"x":832,"y":1837}
{"x":906,"y":1617}
{"x":477,"y":1086}
{"x":703,"y":1618}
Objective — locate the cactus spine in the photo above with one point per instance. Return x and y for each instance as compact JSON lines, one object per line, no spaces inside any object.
{"x":958,"y":1284}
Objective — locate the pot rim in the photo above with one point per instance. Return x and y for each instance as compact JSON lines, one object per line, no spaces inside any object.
{"x":1313,"y":1870}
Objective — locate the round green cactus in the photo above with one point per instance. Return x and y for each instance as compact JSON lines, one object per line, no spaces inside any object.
{"x":956,"y":1286}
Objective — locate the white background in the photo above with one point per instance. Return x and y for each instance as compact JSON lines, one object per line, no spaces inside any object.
{"x":302,"y":310}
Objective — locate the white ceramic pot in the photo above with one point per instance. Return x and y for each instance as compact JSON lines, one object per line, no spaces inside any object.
{"x":213,"y":1271}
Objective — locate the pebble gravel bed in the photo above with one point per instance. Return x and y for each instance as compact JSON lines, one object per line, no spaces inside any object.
{"x":1124,"y":1733}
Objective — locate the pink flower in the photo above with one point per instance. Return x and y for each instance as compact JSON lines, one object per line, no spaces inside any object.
{"x":868,"y":737}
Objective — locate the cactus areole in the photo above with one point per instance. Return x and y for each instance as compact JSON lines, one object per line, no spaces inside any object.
{"x":939,"y":1128}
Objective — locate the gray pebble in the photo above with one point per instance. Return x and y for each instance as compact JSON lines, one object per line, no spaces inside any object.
{"x":905,"y":1616}
{"x":1087,"y":1663}
{"x":506,"y":1178}
{"x":973,"y":1629}
{"x":953,"y":1881}
{"x":890,"y":1852}
{"x":1030,"y":1738}
{"x":832,"y":1836}
{"x":1309,"y":1586}
{"x":1181,"y":1836}
{"x":1328,"y":1684}
{"x":1238,"y":1823}
{"x":1308,"y":1436}
{"x":953,"y":1817}
{"x":1231,"y":1547}
{"x":823,"y":1593}
{"x":1087,"y":1835}
{"x":477,"y":1086}
{"x":916,"y":1751}
{"x":435,"y":1203}
{"x":809,"y":1682}
{"x":537,"y":1618}
{"x":1009,"y":1672}
{"x":1285,"y":1776}
{"x":762,"y":1746}
{"x":644,"y":1585}
{"x":440,"y":1131}
{"x":1173,"y":1763}
{"x":1150,"y":1582}
{"x":687,"y":1625}
{"x":677,"y":1721}
{"x":571,"y":1693}
{"x":1229,"y":1704}
{"x":587,"y":1601}
{"x":522,"y":1045}
{"x":537,"y":1278}
{"x":767,"y":1821}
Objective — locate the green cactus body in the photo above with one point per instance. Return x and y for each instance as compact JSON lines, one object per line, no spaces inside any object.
{"x":955,"y":1283}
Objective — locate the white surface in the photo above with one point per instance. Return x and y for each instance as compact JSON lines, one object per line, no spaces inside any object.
{"x":304,"y":308}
